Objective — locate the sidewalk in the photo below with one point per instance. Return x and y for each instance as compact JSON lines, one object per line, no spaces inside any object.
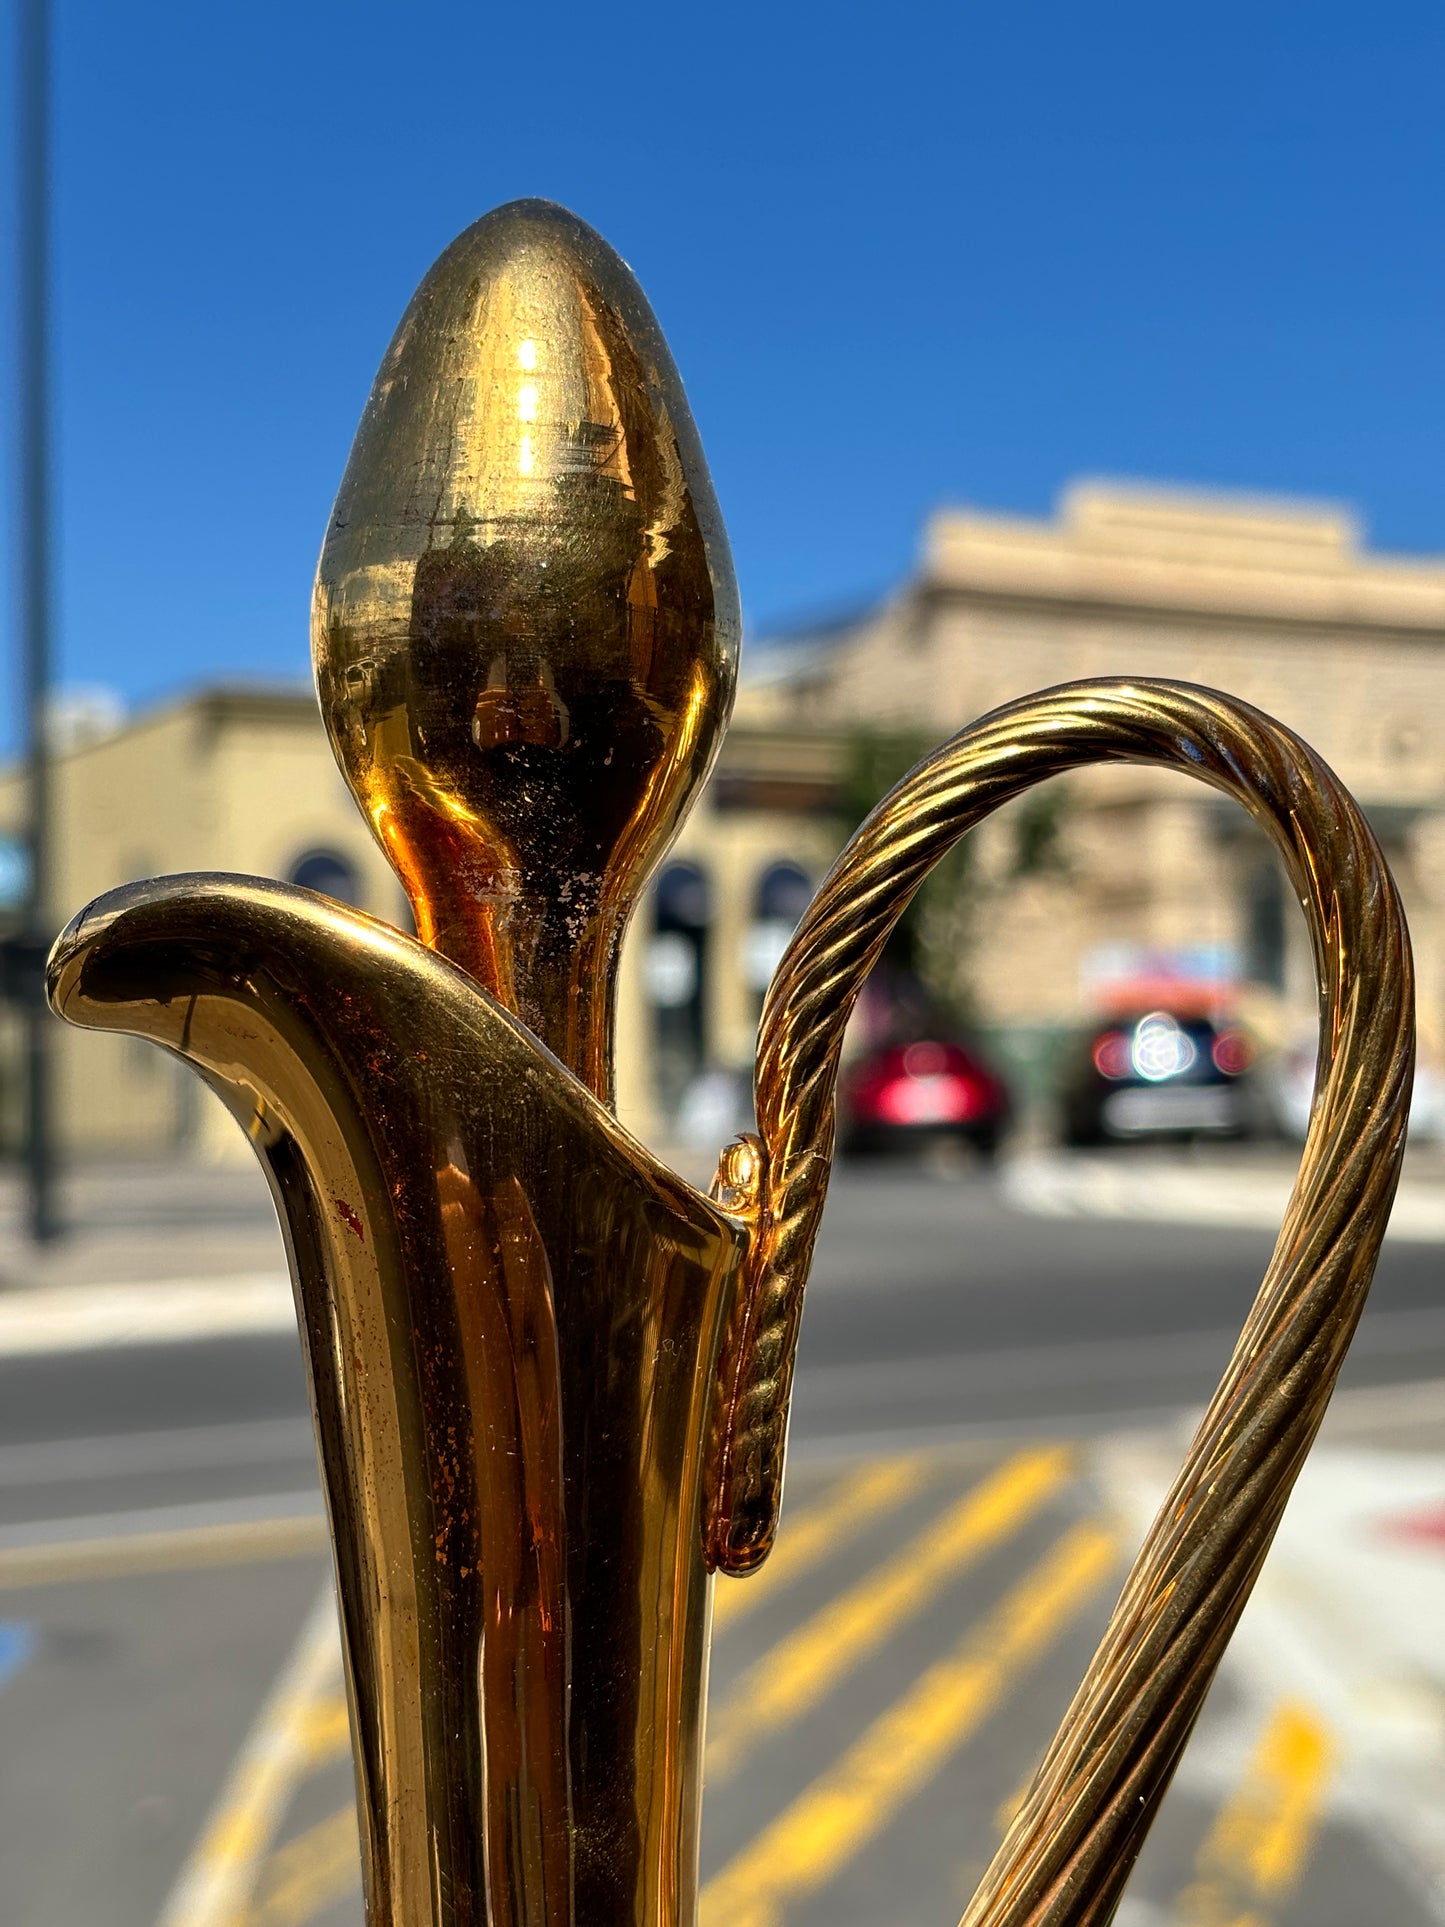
{"x":144,"y":1222}
{"x":153,"y":1253}
{"x":153,"y":1221}
{"x":156,"y":1250}
{"x":1243,"y":1189}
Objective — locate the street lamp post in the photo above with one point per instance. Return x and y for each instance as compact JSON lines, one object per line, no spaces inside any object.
{"x":33,"y":123}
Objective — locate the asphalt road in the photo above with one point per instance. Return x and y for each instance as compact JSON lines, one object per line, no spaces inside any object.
{"x":933,"y":1308}
{"x":944,"y":1333}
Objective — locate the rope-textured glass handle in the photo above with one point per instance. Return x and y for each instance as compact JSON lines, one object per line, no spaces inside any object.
{"x":1068,"y":1852}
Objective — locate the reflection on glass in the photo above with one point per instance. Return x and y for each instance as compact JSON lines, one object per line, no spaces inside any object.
{"x":525,"y":626}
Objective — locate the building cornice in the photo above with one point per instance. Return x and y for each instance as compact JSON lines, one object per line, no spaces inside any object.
{"x":1158,"y":554}
{"x":1178,"y":612}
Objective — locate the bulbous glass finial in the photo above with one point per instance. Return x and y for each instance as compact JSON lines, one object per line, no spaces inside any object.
{"x":525,"y":626}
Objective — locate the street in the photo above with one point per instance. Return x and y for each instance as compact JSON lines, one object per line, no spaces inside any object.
{"x":989,"y":1399}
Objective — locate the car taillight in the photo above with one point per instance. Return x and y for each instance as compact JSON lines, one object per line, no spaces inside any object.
{"x":925,"y":1060}
{"x":942,"y":1099}
{"x":1111,"y":1055}
{"x":1232,"y":1052}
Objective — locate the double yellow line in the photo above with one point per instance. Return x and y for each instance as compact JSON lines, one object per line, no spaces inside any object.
{"x":801,"y":1670}
{"x":853,"y":1504}
{"x":294,"y":1731}
{"x":309,"y":1873}
{"x":231,"y":1879}
{"x":834,"y":1818}
{"x":809,"y":1844}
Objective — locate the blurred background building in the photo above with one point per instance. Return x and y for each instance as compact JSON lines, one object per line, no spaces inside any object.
{"x":243,"y":780}
{"x":1133,"y":886}
{"x":1115,"y":887}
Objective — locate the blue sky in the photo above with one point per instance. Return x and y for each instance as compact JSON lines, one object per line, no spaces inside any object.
{"x":905,"y":255}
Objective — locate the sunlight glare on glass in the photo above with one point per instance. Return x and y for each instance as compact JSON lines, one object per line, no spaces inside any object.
{"x":527,"y":355}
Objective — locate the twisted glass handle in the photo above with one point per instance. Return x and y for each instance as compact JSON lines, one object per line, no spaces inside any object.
{"x":1069,"y":1850}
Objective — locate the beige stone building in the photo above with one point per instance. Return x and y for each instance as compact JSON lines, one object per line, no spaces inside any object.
{"x":244,"y":780}
{"x":1277,"y":602}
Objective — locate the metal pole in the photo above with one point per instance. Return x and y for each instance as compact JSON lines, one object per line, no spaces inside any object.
{"x":33,"y":120}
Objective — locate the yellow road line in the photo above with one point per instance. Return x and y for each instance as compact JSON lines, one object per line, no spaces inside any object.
{"x":1007,"y":1810}
{"x":808,"y":1844}
{"x":109,"y":1558}
{"x":326,"y":1731}
{"x":815,"y":1535}
{"x":311,"y":1872}
{"x":215,"y":1885}
{"x":1257,"y":1847}
{"x":802,"y":1669}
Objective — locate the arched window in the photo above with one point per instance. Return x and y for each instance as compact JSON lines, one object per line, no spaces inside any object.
{"x":684,"y":898}
{"x":14,"y":871}
{"x":1265,"y":925}
{"x":675,"y":971}
{"x":330,"y":874}
{"x":784,"y":891}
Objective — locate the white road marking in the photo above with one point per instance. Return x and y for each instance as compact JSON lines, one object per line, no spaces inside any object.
{"x":30,"y":1533}
{"x":821,"y":1389}
{"x":105,"y":1545}
{"x":1059,"y":1186}
{"x":275,"y":1441}
{"x":1346,"y":1619}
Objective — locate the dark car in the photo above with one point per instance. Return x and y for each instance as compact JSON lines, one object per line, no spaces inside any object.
{"x":1157,"y":1075}
{"x":917,"y":1094}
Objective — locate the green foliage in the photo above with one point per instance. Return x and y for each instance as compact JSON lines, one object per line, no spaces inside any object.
{"x":936,"y":935}
{"x":1038,"y":833}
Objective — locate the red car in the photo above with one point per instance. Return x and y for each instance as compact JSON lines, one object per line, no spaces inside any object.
{"x":914,"y":1094}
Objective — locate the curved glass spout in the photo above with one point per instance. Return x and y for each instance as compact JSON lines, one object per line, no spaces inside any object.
{"x":512,"y":1317}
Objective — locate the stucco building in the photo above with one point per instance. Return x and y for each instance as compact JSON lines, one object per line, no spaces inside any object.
{"x":244,"y":780}
{"x":1280,"y":603}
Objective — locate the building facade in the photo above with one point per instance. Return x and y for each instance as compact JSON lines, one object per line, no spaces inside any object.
{"x":244,"y":781}
{"x":1279,"y":603}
